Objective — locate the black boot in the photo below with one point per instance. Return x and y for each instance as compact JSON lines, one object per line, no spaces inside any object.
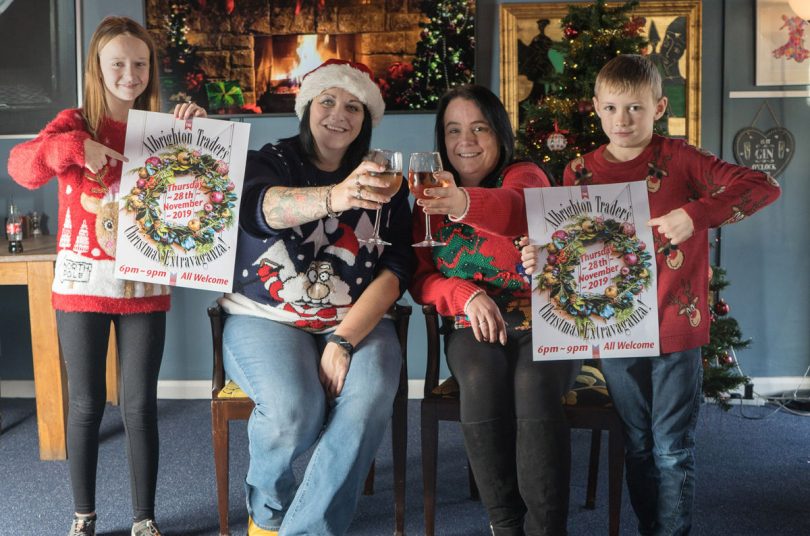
{"x":544,"y":472}
{"x":491,"y":449}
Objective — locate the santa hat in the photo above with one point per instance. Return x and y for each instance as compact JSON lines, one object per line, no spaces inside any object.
{"x":355,"y":78}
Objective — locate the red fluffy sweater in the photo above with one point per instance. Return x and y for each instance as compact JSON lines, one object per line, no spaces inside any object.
{"x":88,"y":217}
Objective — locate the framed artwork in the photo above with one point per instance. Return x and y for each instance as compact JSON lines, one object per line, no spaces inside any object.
{"x":38,"y":76}
{"x":783,"y":52}
{"x":248,"y":56}
{"x":672,"y":27}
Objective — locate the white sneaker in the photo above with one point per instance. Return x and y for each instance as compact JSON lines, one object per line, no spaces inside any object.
{"x":146,"y":527}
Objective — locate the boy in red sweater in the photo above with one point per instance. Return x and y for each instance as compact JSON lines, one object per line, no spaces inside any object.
{"x":690,"y":191}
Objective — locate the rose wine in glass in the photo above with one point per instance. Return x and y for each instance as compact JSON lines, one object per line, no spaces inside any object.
{"x":421,"y":169}
{"x":392,"y":175}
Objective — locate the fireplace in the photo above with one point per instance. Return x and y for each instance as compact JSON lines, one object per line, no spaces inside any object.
{"x":281,"y":61}
{"x":264,"y":47}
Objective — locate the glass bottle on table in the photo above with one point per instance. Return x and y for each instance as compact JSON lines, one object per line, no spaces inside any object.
{"x":421,"y":174}
{"x":14,"y":230}
{"x":392,"y":175}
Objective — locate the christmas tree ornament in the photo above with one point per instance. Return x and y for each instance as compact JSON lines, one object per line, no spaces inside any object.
{"x":570,"y":32}
{"x":557,"y":141}
{"x":721,"y":308}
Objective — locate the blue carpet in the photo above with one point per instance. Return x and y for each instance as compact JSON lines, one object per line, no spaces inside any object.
{"x":753,"y":477}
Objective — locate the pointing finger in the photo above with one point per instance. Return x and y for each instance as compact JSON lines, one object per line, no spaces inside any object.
{"x":115,"y":154}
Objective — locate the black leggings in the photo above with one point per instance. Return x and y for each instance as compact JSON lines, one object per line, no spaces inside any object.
{"x":83,"y":338}
{"x":502,"y":382}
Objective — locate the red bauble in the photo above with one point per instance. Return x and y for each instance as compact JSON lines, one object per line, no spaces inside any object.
{"x":570,"y":32}
{"x":721,"y":308}
{"x":726,"y":358}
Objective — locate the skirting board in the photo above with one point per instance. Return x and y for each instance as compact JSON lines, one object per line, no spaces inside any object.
{"x":194,"y":389}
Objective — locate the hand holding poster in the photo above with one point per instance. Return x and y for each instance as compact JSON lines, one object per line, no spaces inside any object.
{"x":179,"y":200}
{"x":594,"y":290}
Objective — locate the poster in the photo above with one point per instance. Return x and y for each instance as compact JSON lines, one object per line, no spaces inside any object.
{"x":782,"y":50}
{"x":594,"y":290}
{"x":179,"y":200}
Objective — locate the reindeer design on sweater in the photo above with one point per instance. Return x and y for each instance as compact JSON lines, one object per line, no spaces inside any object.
{"x":106,"y":211}
{"x":673,"y":254}
{"x":687,"y":303}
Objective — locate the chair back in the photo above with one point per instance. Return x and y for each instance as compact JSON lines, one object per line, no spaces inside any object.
{"x":433,"y":350}
{"x":215,"y":316}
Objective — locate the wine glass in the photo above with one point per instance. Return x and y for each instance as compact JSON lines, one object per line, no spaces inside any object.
{"x":392,"y":175}
{"x":421,"y":169}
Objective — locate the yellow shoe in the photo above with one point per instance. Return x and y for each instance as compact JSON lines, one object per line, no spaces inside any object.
{"x":255,"y":530}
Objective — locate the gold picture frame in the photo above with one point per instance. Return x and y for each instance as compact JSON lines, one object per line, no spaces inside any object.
{"x":519,"y":22}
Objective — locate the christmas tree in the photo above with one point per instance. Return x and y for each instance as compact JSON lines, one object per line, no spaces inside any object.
{"x":720,"y":371}
{"x":82,"y":243}
{"x":562,"y":125}
{"x":183,"y":80}
{"x":445,"y":53}
{"x":67,"y":231}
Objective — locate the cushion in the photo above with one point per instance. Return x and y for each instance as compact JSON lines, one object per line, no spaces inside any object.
{"x":231,"y":390}
{"x":447,"y":389}
{"x":589,"y":388}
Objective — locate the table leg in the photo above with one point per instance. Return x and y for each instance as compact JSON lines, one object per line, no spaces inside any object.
{"x":49,"y":373}
{"x":112,"y":368}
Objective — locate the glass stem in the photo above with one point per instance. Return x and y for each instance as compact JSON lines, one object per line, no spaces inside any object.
{"x":428,"y":234}
{"x":377,"y":224}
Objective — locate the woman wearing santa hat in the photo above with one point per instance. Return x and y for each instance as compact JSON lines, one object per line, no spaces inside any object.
{"x":305,"y":336}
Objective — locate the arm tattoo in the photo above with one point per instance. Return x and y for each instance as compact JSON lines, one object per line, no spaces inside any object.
{"x":287,"y":207}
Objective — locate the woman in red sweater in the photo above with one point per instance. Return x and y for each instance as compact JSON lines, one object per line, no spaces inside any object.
{"x":82,"y":148}
{"x":515,"y":431}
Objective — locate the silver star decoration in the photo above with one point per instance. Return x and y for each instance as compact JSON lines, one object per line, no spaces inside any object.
{"x":365,"y":228}
{"x":318,"y":237}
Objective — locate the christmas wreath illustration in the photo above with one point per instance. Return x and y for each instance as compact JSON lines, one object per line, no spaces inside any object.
{"x":564,"y":253}
{"x":155,"y":177}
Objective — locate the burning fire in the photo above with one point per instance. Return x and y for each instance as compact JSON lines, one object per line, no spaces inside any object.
{"x":282,"y":61}
{"x":310,"y":55}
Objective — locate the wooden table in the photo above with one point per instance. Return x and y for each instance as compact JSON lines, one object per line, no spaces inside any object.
{"x":34,"y":269}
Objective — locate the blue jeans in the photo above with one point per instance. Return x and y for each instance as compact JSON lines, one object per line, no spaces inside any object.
{"x":277,"y":367}
{"x":658,"y":399}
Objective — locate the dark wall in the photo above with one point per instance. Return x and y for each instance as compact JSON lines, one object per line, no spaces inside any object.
{"x":766,"y":256}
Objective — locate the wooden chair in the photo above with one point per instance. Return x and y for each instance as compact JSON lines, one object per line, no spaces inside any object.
{"x":441,"y":403}
{"x":229,"y":403}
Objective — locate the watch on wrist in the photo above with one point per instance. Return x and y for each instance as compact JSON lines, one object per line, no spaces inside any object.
{"x":340,"y":341}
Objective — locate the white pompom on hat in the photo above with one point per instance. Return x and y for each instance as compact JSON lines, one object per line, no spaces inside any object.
{"x":353,"y":77}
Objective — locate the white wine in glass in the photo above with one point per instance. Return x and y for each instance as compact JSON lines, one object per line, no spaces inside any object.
{"x":421,"y":169}
{"x":392,"y":175}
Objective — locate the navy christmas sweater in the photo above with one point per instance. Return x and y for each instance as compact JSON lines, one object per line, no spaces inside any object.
{"x":308,"y":276}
